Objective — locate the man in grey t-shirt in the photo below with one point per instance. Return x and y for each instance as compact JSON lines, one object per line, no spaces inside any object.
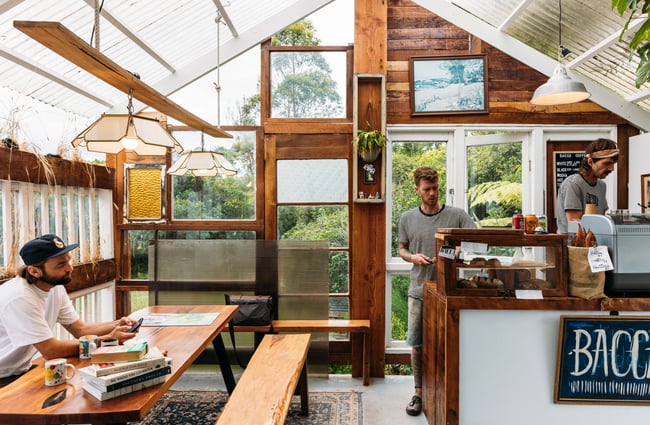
{"x":586,"y":187}
{"x":417,"y":245}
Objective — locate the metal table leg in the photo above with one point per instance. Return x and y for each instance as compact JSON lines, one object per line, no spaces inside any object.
{"x":224,"y":363}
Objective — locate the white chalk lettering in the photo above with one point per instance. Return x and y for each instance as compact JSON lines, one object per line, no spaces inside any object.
{"x":594,"y":353}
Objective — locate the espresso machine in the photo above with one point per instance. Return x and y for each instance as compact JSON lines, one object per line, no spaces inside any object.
{"x":627,"y":237}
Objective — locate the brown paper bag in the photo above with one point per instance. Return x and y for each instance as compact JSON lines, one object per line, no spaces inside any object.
{"x":583,"y":283}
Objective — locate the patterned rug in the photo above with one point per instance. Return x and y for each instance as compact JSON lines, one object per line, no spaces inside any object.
{"x":203,"y":407}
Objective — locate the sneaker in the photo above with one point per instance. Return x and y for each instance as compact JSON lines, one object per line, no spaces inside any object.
{"x":414,"y":407}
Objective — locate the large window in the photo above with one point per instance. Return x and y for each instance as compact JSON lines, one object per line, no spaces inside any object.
{"x":406,"y":156}
{"x":308,"y":84}
{"x":491,"y":171}
{"x":217,"y":198}
{"x":312,"y":205}
{"x":494,"y":171}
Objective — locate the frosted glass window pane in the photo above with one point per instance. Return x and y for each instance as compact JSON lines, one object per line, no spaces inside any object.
{"x":312,"y":180}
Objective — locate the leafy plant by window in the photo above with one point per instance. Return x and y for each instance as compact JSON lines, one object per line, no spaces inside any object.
{"x":370,"y":139}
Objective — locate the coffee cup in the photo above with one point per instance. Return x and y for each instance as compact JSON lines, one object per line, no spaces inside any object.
{"x":87,"y":346}
{"x":56,"y":372}
{"x":591,"y":209}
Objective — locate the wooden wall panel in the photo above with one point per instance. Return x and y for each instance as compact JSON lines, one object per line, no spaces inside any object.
{"x":414,"y":31}
{"x":27,"y":167}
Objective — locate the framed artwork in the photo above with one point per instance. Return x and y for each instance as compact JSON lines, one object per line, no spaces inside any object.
{"x":645,"y":190}
{"x":448,"y":85}
{"x":369,"y":174}
{"x":603,"y":360}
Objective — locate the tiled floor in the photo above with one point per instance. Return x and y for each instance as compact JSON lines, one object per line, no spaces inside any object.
{"x":384,"y":400}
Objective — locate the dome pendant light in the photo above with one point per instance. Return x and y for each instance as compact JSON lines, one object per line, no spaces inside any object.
{"x":560,"y":89}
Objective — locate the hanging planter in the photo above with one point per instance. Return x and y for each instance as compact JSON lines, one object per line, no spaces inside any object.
{"x":369,"y":143}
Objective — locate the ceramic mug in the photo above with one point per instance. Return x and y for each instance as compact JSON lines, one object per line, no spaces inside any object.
{"x":87,"y":345}
{"x":56,"y":373}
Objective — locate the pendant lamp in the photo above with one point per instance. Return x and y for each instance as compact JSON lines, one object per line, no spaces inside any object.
{"x":113,"y":133}
{"x":560,"y":89}
{"x":204,"y":163}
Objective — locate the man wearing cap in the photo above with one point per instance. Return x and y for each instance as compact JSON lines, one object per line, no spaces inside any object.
{"x":34,"y":301}
{"x":586,"y":186}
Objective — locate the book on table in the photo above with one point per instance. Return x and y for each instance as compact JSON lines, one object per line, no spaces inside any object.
{"x":120,"y":353}
{"x":88,"y":373}
{"x":107,"y":395}
{"x":153,"y":358}
{"x":97,"y":383}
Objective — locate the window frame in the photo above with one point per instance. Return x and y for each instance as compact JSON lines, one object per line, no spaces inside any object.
{"x":534,"y":139}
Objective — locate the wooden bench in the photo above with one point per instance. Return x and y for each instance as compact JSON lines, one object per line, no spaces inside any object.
{"x":332,"y":325}
{"x":264,"y":391}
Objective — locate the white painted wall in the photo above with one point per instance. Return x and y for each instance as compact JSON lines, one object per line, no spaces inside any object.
{"x":638,"y":164}
{"x":507,"y":373}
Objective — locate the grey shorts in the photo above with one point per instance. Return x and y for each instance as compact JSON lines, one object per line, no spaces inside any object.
{"x":414,"y":332}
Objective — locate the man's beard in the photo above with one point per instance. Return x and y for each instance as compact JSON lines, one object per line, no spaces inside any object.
{"x":54,"y":282}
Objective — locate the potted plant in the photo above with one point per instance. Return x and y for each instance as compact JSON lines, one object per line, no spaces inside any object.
{"x":369,"y":143}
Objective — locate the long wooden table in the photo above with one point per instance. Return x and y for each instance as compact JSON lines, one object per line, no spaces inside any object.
{"x":21,"y":401}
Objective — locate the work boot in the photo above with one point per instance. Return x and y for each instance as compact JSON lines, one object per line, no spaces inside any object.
{"x":414,"y":407}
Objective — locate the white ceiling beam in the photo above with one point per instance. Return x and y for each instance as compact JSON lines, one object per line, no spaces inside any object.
{"x":233,"y":48}
{"x":134,"y":38}
{"x":535,"y":59}
{"x":21,"y":60}
{"x":6,"y":5}
{"x":604,"y":44}
{"x":639,"y":96}
{"x":226,"y":18}
{"x":514,"y":15}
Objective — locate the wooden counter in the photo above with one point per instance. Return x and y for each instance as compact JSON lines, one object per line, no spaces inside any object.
{"x":441,"y":339}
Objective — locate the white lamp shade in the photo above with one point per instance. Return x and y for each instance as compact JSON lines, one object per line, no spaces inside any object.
{"x":560,"y":89}
{"x":105,"y":135}
{"x":202,"y":163}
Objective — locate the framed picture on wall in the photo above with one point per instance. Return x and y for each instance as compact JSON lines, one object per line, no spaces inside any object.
{"x":448,"y":85}
{"x":645,"y":190}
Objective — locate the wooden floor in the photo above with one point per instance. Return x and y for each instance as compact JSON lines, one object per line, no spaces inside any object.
{"x":384,"y":400}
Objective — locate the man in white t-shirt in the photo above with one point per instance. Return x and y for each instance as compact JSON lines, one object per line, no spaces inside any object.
{"x":33,"y":302}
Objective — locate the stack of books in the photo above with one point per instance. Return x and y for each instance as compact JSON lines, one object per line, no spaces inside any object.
{"x":108,"y":380}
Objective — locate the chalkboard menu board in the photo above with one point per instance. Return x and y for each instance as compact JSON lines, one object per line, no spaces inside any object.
{"x":565,"y":164}
{"x":603,"y":359}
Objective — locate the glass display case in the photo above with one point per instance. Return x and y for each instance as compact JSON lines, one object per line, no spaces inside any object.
{"x":496,"y":262}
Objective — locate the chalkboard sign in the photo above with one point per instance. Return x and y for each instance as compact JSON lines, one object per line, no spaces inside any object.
{"x":565,"y":164}
{"x":603,"y":359}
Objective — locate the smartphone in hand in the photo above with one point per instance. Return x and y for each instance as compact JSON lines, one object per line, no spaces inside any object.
{"x":136,"y":325}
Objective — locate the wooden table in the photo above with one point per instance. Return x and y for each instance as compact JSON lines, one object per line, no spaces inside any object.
{"x":21,"y":401}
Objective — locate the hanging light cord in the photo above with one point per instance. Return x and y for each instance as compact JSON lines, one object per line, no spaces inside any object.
{"x":218,"y":83}
{"x":129,"y":106}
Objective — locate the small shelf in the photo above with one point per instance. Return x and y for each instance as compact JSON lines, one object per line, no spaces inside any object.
{"x":369,"y":99}
{"x":369,"y":201}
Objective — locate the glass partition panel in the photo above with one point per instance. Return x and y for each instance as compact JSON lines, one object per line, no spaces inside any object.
{"x":295,"y":273}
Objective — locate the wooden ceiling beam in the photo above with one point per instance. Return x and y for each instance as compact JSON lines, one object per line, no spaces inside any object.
{"x":67,"y":44}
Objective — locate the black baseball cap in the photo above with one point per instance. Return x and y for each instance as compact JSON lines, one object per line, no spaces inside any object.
{"x":44,"y":247}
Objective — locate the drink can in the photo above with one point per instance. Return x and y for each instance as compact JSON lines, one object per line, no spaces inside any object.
{"x":542,"y":222}
{"x":518,"y":221}
{"x":530,"y":223}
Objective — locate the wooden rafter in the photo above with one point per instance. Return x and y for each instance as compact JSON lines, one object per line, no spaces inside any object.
{"x":67,"y":44}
